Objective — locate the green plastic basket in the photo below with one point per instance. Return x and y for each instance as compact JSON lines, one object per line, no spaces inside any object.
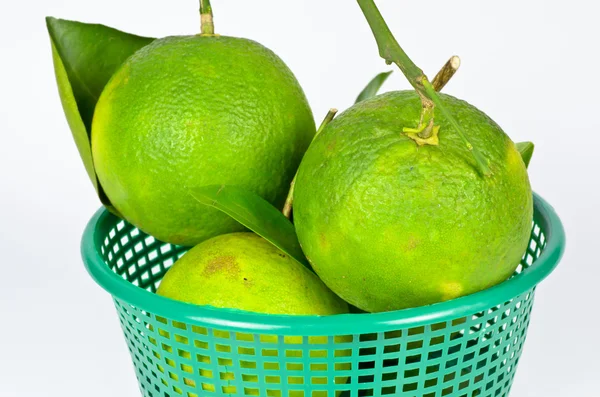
{"x":461,"y":348}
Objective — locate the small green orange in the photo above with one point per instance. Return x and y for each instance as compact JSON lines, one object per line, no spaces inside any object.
{"x":191,"y":111}
{"x":246,"y":272}
{"x":388,"y":224}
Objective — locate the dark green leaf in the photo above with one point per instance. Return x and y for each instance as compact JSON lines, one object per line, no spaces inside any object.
{"x":373,"y":87}
{"x":526,"y":150}
{"x":85,"y":58}
{"x":256,"y":214}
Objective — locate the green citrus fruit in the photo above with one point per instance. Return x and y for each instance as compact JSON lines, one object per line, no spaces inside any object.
{"x":244,"y":271}
{"x":185,"y":112}
{"x":388,"y":224}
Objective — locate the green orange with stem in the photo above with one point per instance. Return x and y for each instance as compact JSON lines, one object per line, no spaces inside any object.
{"x":412,"y":197}
{"x":191,"y":111}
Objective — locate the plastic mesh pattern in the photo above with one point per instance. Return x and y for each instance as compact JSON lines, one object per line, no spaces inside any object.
{"x":474,"y":355}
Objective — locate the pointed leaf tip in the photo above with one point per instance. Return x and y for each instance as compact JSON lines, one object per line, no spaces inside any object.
{"x":373,"y":87}
{"x":256,"y":214}
{"x":526,"y":150}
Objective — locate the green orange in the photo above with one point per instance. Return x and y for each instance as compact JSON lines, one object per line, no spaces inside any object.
{"x":388,"y":224}
{"x":190,"y":111}
{"x":244,"y":271}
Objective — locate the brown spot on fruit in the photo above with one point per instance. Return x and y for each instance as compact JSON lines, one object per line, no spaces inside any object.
{"x":324,"y":242}
{"x":331,"y":146}
{"x":413,"y":243}
{"x":223,"y":264}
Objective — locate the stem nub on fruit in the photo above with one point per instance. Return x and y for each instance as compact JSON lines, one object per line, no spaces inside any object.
{"x":207,"y":25}
{"x":289,"y":201}
{"x":390,"y":50}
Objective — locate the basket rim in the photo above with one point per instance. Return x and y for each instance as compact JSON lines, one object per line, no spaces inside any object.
{"x":341,"y":324}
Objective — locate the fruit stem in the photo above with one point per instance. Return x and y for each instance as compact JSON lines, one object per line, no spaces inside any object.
{"x":479,"y":158}
{"x":390,"y":50}
{"x":207,"y":25}
{"x":289,"y":201}
{"x":446,"y":73}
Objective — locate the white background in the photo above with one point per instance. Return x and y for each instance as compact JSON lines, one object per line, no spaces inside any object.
{"x":531,"y":65}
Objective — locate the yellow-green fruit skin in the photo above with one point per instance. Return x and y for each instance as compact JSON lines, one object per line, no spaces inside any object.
{"x":191,"y":111}
{"x":244,"y":271}
{"x":388,"y":224}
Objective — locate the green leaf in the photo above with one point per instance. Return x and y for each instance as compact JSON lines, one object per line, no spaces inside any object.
{"x":91,"y":54}
{"x":73,"y":118}
{"x":526,"y":150}
{"x":373,"y":87}
{"x":85,"y":58}
{"x":256,"y":214}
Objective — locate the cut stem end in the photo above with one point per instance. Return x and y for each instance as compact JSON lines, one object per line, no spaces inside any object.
{"x":446,"y":73}
{"x":207,"y":25}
